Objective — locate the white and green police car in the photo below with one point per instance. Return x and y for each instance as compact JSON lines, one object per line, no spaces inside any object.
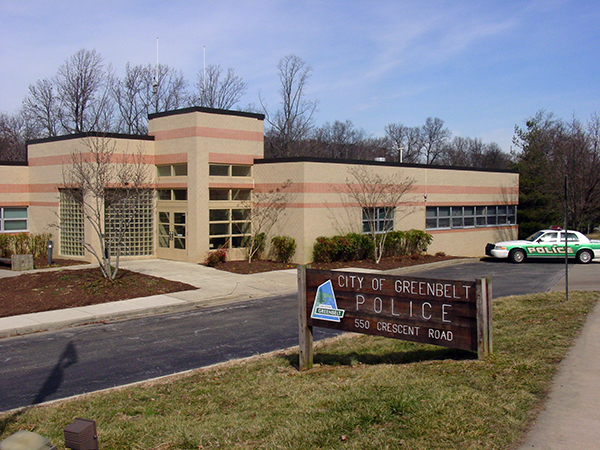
{"x":547,"y":244}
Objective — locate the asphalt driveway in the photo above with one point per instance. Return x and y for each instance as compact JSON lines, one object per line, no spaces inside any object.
{"x":507,"y":278}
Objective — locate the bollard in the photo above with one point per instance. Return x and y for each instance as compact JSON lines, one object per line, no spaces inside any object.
{"x":49,"y":253}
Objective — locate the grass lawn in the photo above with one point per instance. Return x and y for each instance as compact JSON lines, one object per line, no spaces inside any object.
{"x":364,"y":393}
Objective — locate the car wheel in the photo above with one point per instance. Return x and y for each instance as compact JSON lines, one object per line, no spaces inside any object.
{"x":517,"y":255}
{"x":584,"y":257}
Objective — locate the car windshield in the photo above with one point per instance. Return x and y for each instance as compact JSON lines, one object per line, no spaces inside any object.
{"x":534,"y":236}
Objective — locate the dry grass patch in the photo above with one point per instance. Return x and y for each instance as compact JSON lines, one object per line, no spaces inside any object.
{"x":364,"y":393}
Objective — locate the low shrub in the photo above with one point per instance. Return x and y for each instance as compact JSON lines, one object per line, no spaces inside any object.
{"x":23,"y":244}
{"x":324,"y":250}
{"x":408,"y":242}
{"x":354,"y":246}
{"x":5,"y":245}
{"x":284,"y":248}
{"x":216,"y":257}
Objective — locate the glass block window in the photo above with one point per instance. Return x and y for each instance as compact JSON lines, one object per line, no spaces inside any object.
{"x":71,"y":225}
{"x":440,"y":217}
{"x":130,"y":221}
{"x":13,"y":219}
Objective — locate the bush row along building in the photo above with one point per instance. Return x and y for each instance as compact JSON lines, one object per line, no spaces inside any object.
{"x":207,"y":165}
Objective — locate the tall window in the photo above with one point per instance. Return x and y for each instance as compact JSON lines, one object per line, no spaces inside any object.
{"x":13,"y":219}
{"x":378,"y":220}
{"x":71,"y":226}
{"x":229,"y":227}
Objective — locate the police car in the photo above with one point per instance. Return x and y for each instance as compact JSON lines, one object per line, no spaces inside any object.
{"x":547,"y":244}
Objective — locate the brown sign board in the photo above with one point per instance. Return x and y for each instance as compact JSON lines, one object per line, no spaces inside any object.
{"x":432,"y":311}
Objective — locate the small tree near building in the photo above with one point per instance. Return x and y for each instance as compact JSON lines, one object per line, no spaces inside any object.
{"x":265,"y":210}
{"x":380,"y":199}
{"x":112,"y":189}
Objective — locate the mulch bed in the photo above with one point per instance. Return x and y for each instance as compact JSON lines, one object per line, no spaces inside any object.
{"x":42,"y":263}
{"x":385,"y":264}
{"x":46,"y":291}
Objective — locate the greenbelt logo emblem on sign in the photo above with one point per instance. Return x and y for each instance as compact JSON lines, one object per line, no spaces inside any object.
{"x":325,"y":307}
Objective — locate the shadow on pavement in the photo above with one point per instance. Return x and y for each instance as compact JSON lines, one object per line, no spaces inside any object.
{"x":51,"y":384}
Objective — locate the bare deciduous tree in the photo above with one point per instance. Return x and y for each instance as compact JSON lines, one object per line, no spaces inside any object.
{"x":293,"y":122}
{"x":379,"y":198}
{"x":128,"y":94}
{"x":265,"y":210}
{"x":13,"y":134}
{"x":165,"y":89}
{"x":434,"y":137}
{"x":472,"y":152}
{"x":99,"y":178}
{"x":341,"y":140}
{"x":217,"y":92}
{"x":405,"y":144}
{"x":40,"y":108}
{"x":82,"y":92}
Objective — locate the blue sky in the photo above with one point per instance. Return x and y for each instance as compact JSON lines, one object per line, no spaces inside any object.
{"x":481,"y":66}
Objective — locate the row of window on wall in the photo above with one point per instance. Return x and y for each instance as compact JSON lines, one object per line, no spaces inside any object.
{"x":440,"y":217}
{"x":172,"y":170}
{"x":214,"y":170}
{"x":172,"y":194}
{"x":214,"y":194}
{"x":227,"y":170}
{"x":13,"y":219}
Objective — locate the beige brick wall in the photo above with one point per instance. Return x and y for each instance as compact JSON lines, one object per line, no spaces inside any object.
{"x":49,"y":160}
{"x":199,"y":138}
{"x":319,"y":207}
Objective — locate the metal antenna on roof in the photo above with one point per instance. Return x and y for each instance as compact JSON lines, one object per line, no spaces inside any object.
{"x":155,"y":84}
{"x":202,"y":101}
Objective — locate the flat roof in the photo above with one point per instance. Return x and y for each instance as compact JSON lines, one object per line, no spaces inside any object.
{"x":374,"y":163}
{"x":202,"y":109}
{"x":66,"y":137}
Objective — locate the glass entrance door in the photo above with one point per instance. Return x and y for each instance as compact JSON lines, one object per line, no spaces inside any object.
{"x":172,"y":234}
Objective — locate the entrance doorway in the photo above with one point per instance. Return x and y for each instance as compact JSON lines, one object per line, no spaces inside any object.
{"x":172,"y":234}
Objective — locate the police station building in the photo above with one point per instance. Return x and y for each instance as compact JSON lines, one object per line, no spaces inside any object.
{"x":207,"y":165}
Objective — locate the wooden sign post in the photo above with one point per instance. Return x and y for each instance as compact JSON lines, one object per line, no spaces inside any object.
{"x":450,"y":313}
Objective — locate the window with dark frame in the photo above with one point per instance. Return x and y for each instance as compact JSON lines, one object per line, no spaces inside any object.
{"x":456,"y":217}
{"x":378,"y":220}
